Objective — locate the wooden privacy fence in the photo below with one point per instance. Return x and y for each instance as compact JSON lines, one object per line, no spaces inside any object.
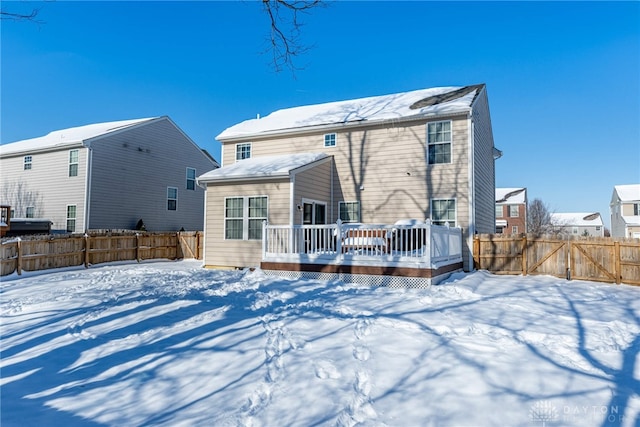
{"x":55,"y":251}
{"x":601,"y":259}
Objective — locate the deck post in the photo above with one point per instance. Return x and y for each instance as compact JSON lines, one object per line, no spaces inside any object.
{"x":339,"y":239}
{"x":264,"y":238}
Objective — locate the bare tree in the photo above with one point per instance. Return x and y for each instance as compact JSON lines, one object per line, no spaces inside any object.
{"x":30,"y":13}
{"x":539,"y":218}
{"x":285,"y":34}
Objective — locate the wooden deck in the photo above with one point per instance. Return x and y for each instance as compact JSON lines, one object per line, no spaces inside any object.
{"x":417,"y":255}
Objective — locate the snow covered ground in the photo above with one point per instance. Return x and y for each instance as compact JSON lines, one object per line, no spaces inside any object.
{"x":172,"y":344}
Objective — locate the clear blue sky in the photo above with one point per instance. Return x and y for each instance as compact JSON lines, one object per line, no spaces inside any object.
{"x":563,"y":78}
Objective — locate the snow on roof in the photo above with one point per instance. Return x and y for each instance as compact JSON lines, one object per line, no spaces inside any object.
{"x":66,"y":137}
{"x":577,"y":219}
{"x":262,"y":167}
{"x":417,"y":103}
{"x":510,"y":195}
{"x":631,"y":220}
{"x":628,"y":193}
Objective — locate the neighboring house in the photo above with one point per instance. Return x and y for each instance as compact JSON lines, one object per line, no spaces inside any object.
{"x":425,"y":154}
{"x":625,"y":211}
{"x":108,"y":176}
{"x":578,"y":224}
{"x":511,"y":210}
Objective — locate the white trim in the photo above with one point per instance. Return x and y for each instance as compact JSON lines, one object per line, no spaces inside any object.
{"x":176,"y":199}
{"x":313,"y":212}
{"x":236,"y":150}
{"x":87,"y":186}
{"x":472,"y":186}
{"x":426,"y":127}
{"x":455,"y":214}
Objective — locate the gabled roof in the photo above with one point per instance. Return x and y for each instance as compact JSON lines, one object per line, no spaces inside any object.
{"x":628,"y":193}
{"x":511,"y":195}
{"x":398,"y":106}
{"x":262,"y":167}
{"x":68,"y":137}
{"x":579,"y":219}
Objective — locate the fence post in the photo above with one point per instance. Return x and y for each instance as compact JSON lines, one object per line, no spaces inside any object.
{"x":19,"y":262}
{"x":476,"y":252}
{"x":197,"y":245}
{"x":524,"y":255}
{"x":618,"y":268}
{"x":87,"y":245}
{"x":138,"y":247}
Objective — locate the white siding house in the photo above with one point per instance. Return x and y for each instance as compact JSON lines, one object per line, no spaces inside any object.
{"x":578,"y":224}
{"x":108,"y":176}
{"x":625,"y":211}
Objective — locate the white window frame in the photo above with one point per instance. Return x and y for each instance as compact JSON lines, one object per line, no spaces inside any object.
{"x":441,"y":222}
{"x":636,"y":209}
{"x":514,"y":229}
{"x":347,"y":203}
{"x":330,"y":139}
{"x":435,"y":143}
{"x":172,"y":199}
{"x":191,"y":181}
{"x":499,"y":211}
{"x":28,"y":163}
{"x":246,"y":217}
{"x":243,"y":151}
{"x":74,"y":163}
{"x":71,"y":219}
{"x":30,"y":212}
{"x":514,"y":211}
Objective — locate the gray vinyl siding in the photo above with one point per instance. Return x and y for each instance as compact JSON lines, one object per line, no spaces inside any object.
{"x":219,"y":252}
{"x":131,"y":172}
{"x":49,"y":182}
{"x":484,"y":167}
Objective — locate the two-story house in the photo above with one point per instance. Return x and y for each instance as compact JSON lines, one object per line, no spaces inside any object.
{"x":578,"y":224}
{"x":426,"y":155}
{"x":625,"y":211}
{"x":115,"y":175}
{"x":511,"y":210}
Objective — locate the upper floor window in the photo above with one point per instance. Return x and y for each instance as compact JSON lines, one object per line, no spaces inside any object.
{"x":330,"y":140}
{"x":443,"y":211}
{"x":30,"y":212}
{"x":349,"y":211}
{"x":73,"y":163}
{"x":636,"y":209}
{"x":27,"y":162}
{"x":514,"y":211}
{"x":191,"y":179}
{"x":499,"y":211}
{"x":243,"y":151}
{"x":172,"y":198}
{"x":439,"y":142}
{"x":514,"y":229}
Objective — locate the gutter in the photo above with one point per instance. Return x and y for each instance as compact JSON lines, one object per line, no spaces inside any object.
{"x":87,"y":187}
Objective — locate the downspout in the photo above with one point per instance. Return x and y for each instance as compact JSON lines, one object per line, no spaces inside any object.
{"x":472,"y":198}
{"x":204,"y":226}
{"x":87,"y":189}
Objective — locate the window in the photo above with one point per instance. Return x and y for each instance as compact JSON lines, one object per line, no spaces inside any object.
{"x":27,"y":162}
{"x":172,"y":198}
{"x":30,"y":212}
{"x":191,"y":179}
{"x":499,"y":211}
{"x":443,"y":211}
{"x":330,"y":140}
{"x":574,"y":230}
{"x":439,"y":142}
{"x":243,"y":217}
{"x":71,"y":218}
{"x":243,"y":151}
{"x":514,"y":229}
{"x":349,"y":211}
{"x":257,"y":214}
{"x":636,"y":209}
{"x":513,"y":211}
{"x":73,"y":163}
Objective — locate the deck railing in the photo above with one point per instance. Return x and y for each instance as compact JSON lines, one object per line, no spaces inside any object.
{"x":414,"y":244}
